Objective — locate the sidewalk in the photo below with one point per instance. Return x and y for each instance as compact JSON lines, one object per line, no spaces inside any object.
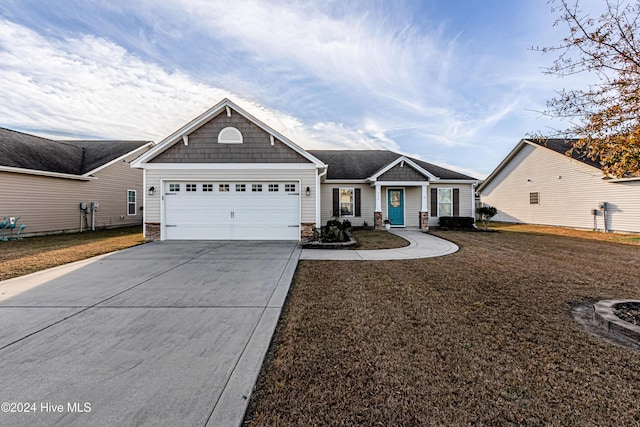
{"x":421,"y":245}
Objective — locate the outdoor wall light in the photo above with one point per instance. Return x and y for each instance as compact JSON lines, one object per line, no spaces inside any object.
{"x":308,"y":192}
{"x":152,"y":190}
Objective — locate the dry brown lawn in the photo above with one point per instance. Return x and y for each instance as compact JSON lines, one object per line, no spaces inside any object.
{"x":378,"y":239}
{"x":480,"y":337}
{"x":20,"y":257}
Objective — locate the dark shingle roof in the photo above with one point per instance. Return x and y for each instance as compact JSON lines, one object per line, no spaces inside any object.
{"x":21,"y":150}
{"x":562,"y":146}
{"x":361,"y":164}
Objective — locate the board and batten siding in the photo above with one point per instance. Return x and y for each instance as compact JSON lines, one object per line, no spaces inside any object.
{"x":306,"y":177}
{"x":52,"y":205}
{"x":568,"y":192}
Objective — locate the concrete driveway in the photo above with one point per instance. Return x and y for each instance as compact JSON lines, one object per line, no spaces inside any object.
{"x":169,"y":333}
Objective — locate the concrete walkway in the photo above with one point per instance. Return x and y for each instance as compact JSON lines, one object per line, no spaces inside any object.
{"x":421,"y":245}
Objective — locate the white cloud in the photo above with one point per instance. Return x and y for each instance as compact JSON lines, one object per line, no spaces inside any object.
{"x":88,"y":86}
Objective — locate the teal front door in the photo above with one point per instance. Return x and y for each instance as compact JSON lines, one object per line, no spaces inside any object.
{"x":395,"y":208}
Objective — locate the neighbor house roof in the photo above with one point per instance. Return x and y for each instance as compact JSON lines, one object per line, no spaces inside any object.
{"x":23,"y":151}
{"x":563,"y":146}
{"x":362,"y":164}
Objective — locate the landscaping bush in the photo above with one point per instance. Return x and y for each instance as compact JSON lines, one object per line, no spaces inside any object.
{"x":486,"y":213}
{"x":457,"y":222}
{"x":334,"y":231}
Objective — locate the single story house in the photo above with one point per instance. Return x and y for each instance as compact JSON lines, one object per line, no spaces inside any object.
{"x":226,"y":175}
{"x":44,"y":183}
{"x":538,"y":183}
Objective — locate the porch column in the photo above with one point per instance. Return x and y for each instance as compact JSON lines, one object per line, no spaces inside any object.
{"x":423,"y":220}
{"x":377,"y":214}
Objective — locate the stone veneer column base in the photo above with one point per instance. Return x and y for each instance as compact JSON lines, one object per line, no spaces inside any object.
{"x":377,"y":220}
{"x":152,"y":231}
{"x":424,"y":220}
{"x":306,"y":229}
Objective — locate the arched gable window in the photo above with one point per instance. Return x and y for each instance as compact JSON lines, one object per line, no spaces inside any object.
{"x":230,"y":135}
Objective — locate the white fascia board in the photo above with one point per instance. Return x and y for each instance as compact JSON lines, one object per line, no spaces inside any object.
{"x":614,"y":180}
{"x":407,"y":161}
{"x":346,"y":181}
{"x":124,"y":156}
{"x":402,"y":183}
{"x":46,"y":173}
{"x":229,"y":166}
{"x":206,"y":116}
{"x":503,"y":164}
{"x":456,"y":181}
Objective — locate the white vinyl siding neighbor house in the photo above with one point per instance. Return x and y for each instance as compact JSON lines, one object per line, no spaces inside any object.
{"x":538,"y":184}
{"x":45,"y":181}
{"x":264,"y":186}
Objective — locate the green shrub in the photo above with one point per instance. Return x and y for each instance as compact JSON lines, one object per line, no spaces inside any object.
{"x":462,"y":222}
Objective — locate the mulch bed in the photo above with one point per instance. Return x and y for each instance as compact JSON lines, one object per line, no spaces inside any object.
{"x":481,"y":337}
{"x":628,"y":311}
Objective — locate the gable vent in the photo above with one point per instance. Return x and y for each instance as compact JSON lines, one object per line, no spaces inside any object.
{"x":230,"y":135}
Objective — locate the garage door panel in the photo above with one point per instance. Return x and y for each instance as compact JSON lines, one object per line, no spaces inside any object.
{"x":232,"y":215}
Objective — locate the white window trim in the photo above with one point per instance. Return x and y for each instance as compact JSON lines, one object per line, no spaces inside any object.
{"x":135,"y":203}
{"x":438,"y":199}
{"x":353,"y":202}
{"x":227,"y":141}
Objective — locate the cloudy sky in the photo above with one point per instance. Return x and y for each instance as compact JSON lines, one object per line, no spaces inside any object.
{"x":453,"y":82}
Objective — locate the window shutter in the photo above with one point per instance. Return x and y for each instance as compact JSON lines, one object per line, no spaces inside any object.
{"x":456,"y":202}
{"x":336,"y":202}
{"x":434,"y":202}
{"x":357,"y":202}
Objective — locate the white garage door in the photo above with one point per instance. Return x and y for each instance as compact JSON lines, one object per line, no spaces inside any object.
{"x":201,"y":210}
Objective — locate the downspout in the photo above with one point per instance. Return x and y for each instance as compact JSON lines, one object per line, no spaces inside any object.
{"x":318,"y":195}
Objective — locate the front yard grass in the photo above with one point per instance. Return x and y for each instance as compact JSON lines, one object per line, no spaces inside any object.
{"x":481,"y":337}
{"x":378,"y":239}
{"x":20,"y":257}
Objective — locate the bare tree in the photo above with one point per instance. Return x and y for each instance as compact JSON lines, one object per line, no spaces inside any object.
{"x":605,"y":118}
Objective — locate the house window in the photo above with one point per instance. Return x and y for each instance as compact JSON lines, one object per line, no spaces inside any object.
{"x":274,"y":187}
{"x":131,"y":202}
{"x":223,"y":188}
{"x":346,"y":202}
{"x":256,"y":187}
{"x":241,"y":188}
{"x":445,"y":202}
{"x":534,"y":198}
{"x":191,"y":187}
{"x":207,"y":188}
{"x":229,"y":135}
{"x":290,"y":188}
{"x":174,"y":187}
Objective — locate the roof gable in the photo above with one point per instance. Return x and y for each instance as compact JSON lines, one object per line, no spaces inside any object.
{"x":228,"y":108}
{"x":23,"y":151}
{"x":560,"y":146}
{"x":251,"y":144}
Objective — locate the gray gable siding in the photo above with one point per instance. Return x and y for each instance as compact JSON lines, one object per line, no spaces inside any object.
{"x":204,"y":148}
{"x":404,"y":173}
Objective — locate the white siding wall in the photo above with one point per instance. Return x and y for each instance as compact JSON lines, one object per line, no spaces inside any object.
{"x":368,"y":202}
{"x":307,"y":178}
{"x":569,"y":190}
{"x":50,"y":205}
{"x":466,"y":201}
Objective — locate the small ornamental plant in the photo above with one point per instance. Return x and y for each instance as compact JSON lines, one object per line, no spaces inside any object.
{"x":486,"y":213}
